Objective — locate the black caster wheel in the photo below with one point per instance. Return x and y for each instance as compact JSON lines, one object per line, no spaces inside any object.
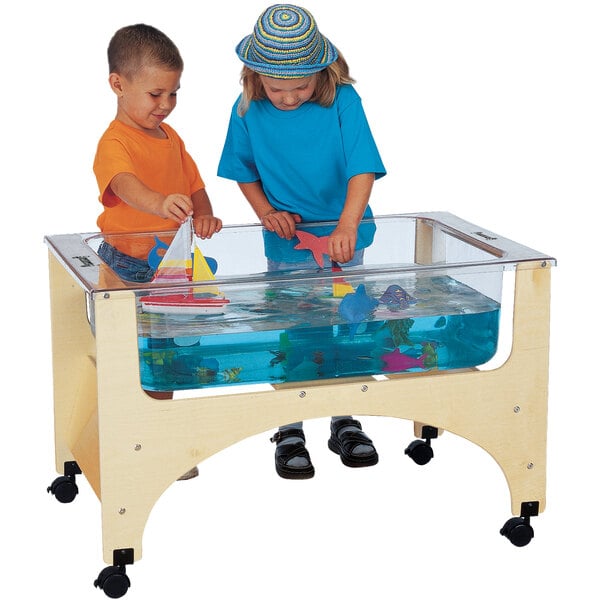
{"x":420,"y":451}
{"x":64,"y":489}
{"x":113,"y":581}
{"x":518,"y":531}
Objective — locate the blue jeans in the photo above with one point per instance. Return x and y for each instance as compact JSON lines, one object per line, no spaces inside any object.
{"x":125,"y":266}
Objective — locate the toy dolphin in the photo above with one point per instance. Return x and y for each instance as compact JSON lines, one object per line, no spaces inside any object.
{"x":356,"y":307}
{"x":317,"y":245}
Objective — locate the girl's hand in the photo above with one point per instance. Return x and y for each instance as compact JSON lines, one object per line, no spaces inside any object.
{"x":342,"y":243}
{"x":281,"y":222}
{"x":177,"y":207}
{"x":206,"y":225}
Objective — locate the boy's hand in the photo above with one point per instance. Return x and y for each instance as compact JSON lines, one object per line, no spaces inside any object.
{"x":206,"y":225}
{"x":177,"y":207}
{"x":281,"y":222}
{"x":342,"y":243}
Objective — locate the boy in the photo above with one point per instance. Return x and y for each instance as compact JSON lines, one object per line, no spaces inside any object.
{"x":147,"y":180}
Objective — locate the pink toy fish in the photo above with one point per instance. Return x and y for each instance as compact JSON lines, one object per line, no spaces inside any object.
{"x":317,"y":245}
{"x":396,"y":361}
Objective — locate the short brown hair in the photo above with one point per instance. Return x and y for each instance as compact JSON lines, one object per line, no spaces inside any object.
{"x":134,"y":46}
{"x":337,"y":73}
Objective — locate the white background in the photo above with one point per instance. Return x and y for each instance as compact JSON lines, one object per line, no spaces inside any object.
{"x":486,"y":109}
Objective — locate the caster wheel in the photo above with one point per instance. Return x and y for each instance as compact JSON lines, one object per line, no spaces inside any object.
{"x":518,"y":531}
{"x":64,"y":489}
{"x":421,"y":452}
{"x":113,"y":581}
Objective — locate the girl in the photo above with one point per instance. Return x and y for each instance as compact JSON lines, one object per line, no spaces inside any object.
{"x":300,"y":148}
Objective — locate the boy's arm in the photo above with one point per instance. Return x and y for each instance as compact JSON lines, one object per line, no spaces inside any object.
{"x":205,"y":224}
{"x":281,"y":222}
{"x":342,"y":240}
{"x":132,"y":191}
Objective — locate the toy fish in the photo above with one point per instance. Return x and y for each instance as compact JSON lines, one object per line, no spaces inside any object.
{"x":397,"y":361}
{"x":278,"y":356}
{"x":308,"y":305}
{"x":318,"y":357}
{"x":205,"y":375}
{"x":356,"y":307}
{"x":397,"y":296}
{"x":206,"y":372}
{"x":231,"y":375}
{"x":317,"y":245}
{"x":157,"y":253}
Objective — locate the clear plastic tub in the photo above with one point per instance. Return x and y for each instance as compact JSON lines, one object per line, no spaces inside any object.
{"x":426,"y":295}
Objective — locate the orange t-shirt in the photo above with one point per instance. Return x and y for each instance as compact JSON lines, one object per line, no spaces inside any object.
{"x":162,"y":164}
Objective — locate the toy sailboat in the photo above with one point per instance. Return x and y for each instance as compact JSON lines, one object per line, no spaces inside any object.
{"x":184,"y":262}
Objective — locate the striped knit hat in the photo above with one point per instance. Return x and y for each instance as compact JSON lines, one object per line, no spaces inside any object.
{"x":286,"y":44}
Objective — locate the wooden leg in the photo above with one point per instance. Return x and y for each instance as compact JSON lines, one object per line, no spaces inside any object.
{"x":73,"y":349}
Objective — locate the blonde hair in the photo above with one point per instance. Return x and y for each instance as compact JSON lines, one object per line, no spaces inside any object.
{"x":337,"y":73}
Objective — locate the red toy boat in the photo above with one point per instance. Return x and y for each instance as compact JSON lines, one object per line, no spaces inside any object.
{"x":184,"y":304}
{"x":178,"y":266}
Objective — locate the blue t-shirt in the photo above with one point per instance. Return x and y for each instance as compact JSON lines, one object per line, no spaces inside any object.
{"x":304,"y":157}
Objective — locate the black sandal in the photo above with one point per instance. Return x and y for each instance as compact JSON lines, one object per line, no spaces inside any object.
{"x":345,"y":442}
{"x":285,"y":452}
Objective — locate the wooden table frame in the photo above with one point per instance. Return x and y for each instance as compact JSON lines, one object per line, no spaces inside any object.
{"x":131,"y":447}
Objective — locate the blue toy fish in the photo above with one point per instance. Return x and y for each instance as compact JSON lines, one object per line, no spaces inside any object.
{"x":396,"y":296}
{"x":356,"y":307}
{"x":157,"y":253}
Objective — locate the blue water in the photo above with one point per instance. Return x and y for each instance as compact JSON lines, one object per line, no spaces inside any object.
{"x":272,"y":335}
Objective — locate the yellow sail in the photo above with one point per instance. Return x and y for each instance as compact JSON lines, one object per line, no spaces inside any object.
{"x":201,"y":272}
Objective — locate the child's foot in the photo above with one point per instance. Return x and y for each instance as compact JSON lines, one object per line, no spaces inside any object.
{"x":193,"y":472}
{"x":349,"y":441}
{"x":292,"y":460}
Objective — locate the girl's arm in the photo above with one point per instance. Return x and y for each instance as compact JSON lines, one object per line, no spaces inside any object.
{"x":281,"y":222}
{"x":342,"y":240}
